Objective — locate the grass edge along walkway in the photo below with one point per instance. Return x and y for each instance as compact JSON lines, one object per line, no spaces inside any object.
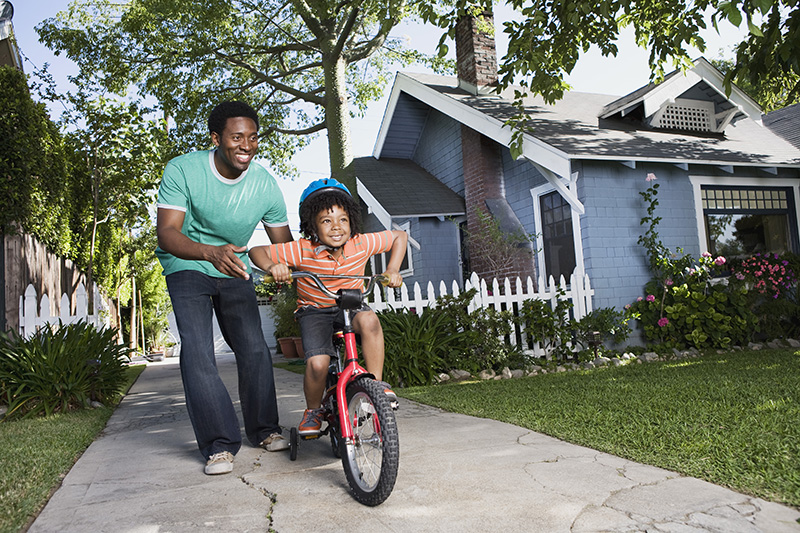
{"x":731,"y":419}
{"x":38,"y":453}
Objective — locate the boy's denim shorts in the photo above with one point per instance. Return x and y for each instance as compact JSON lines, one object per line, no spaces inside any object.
{"x":317,"y":326}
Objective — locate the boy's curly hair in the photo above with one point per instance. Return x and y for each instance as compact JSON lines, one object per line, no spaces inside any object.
{"x":324,"y":201}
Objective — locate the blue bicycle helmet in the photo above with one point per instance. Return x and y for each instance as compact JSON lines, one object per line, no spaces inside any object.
{"x":325,"y":184}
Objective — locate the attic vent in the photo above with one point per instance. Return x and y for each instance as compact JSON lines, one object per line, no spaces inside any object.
{"x":691,"y":115}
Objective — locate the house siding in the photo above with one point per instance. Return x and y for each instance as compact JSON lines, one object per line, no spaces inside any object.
{"x":520,"y":177}
{"x":439,"y":151}
{"x":438,"y":257}
{"x":616,"y":264}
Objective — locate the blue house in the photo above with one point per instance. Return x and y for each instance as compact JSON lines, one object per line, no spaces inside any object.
{"x":728,"y":184}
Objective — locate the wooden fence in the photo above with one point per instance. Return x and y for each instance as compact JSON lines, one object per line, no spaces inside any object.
{"x":35,"y":313}
{"x":501,"y":296}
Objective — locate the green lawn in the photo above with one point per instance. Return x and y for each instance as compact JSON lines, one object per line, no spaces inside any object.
{"x":731,"y":419}
{"x":37,"y":453}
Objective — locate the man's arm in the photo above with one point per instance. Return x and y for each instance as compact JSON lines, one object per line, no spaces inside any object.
{"x":279,"y":234}
{"x":171,"y":239}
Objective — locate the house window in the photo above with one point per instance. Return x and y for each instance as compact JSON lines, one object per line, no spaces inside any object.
{"x":557,"y":236}
{"x":380,"y":261}
{"x":742,"y":221}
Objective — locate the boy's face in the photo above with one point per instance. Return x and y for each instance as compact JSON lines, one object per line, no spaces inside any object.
{"x":333,"y":227}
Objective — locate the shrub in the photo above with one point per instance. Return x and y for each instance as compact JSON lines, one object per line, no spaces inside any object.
{"x":60,"y":369}
{"x":551,"y":328}
{"x":416,"y":346}
{"x":284,"y":304}
{"x":612,"y":325}
{"x":689,"y":309}
{"x":482,"y":343}
{"x":770,"y":282}
{"x":682,"y":305}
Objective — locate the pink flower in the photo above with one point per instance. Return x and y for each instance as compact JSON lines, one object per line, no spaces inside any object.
{"x":668,"y":282}
{"x":706,"y":254}
{"x":663,"y":321}
{"x":639,"y":299}
{"x":739,"y":276}
{"x":719,"y":261}
{"x":650,"y":298}
{"x":650,"y":177}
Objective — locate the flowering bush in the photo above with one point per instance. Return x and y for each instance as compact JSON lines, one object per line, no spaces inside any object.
{"x":773,"y":292}
{"x":766,"y":274}
{"x":682,"y":305}
{"x":690,"y":309}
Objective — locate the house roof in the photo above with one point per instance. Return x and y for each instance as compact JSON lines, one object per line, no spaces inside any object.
{"x":702,"y":83}
{"x":401,"y":188}
{"x":573,"y":128}
{"x":786,"y":123}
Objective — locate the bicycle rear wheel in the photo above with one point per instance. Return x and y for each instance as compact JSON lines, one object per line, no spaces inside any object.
{"x":371,"y":460}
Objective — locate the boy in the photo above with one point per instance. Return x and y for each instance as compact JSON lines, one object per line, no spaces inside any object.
{"x":330,"y":221}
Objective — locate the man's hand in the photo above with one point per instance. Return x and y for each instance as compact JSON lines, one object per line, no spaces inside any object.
{"x":225,"y":260}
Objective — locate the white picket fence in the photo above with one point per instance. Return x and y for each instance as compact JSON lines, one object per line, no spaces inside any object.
{"x":34,"y":313}
{"x":501,"y":296}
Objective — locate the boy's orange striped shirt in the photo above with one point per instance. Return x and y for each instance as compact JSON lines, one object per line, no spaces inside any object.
{"x":313,"y":257}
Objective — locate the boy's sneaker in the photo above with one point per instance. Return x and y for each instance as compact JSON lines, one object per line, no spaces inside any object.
{"x":387,"y":390}
{"x":311,"y":424}
{"x":275,"y":443}
{"x":219,"y":463}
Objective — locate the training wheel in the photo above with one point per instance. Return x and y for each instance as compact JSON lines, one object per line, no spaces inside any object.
{"x":293,"y":443}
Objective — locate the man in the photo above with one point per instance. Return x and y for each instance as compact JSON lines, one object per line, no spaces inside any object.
{"x":209,"y":203}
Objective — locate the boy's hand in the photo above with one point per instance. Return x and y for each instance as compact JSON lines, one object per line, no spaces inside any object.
{"x":394,"y":278}
{"x":280,"y":272}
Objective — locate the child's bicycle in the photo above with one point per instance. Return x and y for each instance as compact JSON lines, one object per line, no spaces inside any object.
{"x":360,"y":417}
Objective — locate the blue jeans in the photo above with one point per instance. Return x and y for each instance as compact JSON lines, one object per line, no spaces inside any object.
{"x":194,"y":297}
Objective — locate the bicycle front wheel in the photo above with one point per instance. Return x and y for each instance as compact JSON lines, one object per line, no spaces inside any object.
{"x":371,"y":460}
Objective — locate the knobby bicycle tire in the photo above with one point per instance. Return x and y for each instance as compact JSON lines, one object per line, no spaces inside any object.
{"x":370,"y":463}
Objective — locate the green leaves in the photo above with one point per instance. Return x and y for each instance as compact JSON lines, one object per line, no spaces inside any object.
{"x":61,"y":369}
{"x":416,"y":346}
{"x":297,"y":63}
{"x":33,"y":166}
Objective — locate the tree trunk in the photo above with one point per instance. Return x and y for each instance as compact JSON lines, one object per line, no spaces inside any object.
{"x":337,"y":118}
{"x":133,"y":329}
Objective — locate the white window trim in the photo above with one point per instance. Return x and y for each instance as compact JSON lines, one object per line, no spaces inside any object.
{"x":536,"y":194}
{"x":406,"y":226}
{"x":723,"y":181}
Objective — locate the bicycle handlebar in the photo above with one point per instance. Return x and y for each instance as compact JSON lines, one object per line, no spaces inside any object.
{"x":316,"y":279}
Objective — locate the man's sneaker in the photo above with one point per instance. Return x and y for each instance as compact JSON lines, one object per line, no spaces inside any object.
{"x":387,"y":390}
{"x":275,"y":443}
{"x":219,"y":463}
{"x":311,"y":423}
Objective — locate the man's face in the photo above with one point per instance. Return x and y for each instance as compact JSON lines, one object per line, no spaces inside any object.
{"x":236,"y":146}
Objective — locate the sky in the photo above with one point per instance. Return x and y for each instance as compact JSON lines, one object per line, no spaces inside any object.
{"x":593,"y":73}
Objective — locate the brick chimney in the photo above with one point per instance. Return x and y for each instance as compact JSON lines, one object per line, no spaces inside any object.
{"x":475,"y":54}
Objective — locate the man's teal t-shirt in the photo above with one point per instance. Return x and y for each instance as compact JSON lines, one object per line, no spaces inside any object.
{"x":217,"y":210}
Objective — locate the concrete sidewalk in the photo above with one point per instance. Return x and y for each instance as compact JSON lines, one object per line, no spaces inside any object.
{"x":457,"y":474}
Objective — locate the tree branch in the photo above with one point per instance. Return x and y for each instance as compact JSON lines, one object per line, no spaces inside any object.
{"x":346,"y":31}
{"x":311,"y":129}
{"x":308,"y":97}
